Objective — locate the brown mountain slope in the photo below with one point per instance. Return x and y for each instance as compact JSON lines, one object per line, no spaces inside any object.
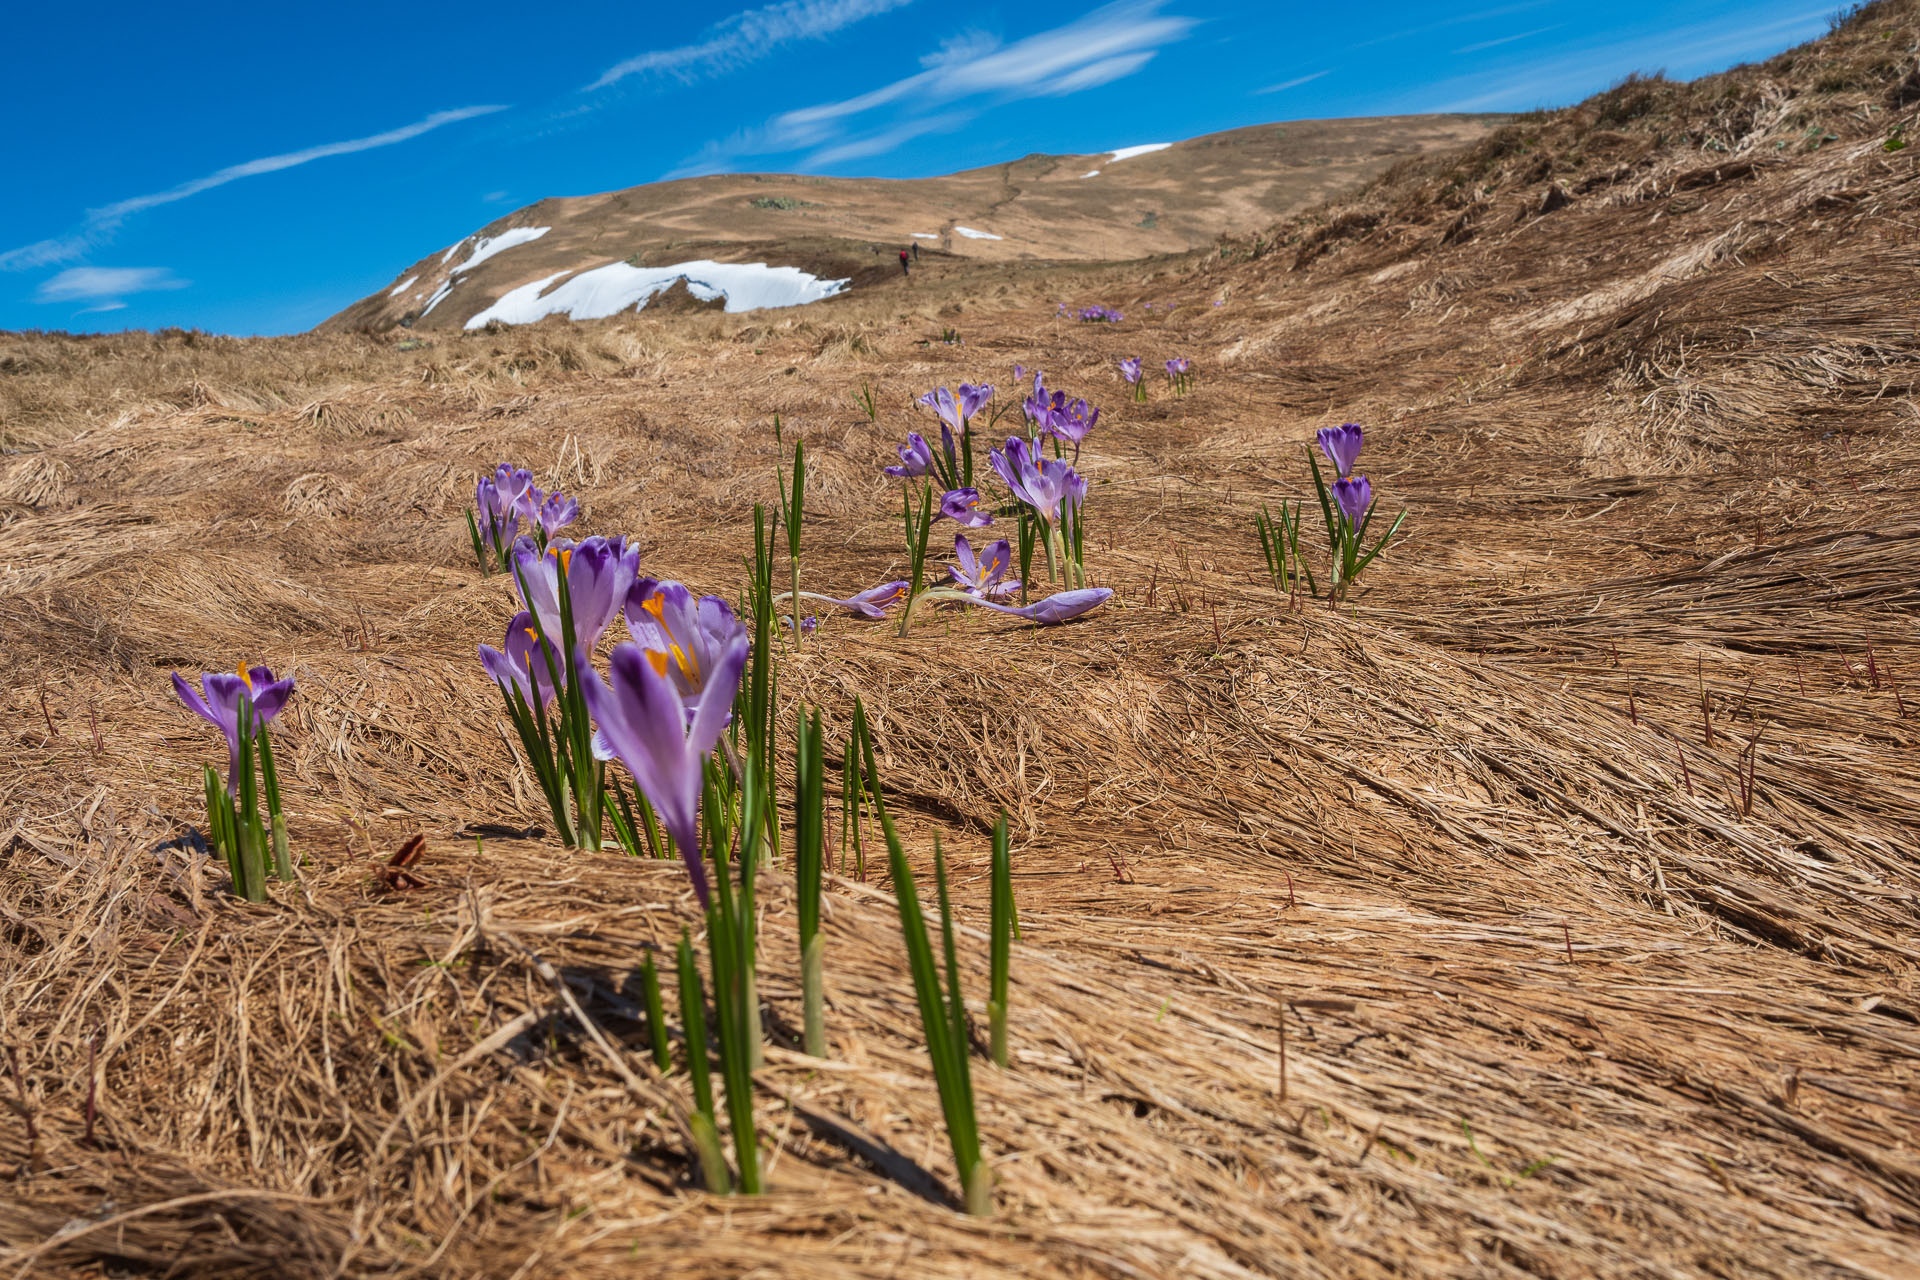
{"x":1040,"y":208}
{"x":1572,"y":863}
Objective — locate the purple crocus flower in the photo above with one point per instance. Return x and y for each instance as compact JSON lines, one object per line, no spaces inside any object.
{"x":497,"y":500}
{"x":1071,"y":422}
{"x":523,"y":664}
{"x":1055,"y":608}
{"x":218,"y":703}
{"x":1178,"y":366}
{"x":964,"y":505}
{"x":1130,"y":369}
{"x":808,"y":624}
{"x":1342,"y":446}
{"x":974,"y":398}
{"x":556,"y":513}
{"x":683,"y":636}
{"x":600,"y":572}
{"x":1019,"y":372}
{"x":871,"y":603}
{"x":982,"y":576}
{"x":1353,"y":495}
{"x":1039,"y":481}
{"x":661,"y":735}
{"x":942,"y":402}
{"x":916,"y":457}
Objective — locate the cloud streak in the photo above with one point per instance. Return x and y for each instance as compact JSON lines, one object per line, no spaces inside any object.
{"x":1294,"y":83}
{"x":1495,"y":44}
{"x":1686,"y":51}
{"x":1104,"y":45}
{"x":747,"y":37}
{"x":100,"y":224}
{"x":107,"y":284}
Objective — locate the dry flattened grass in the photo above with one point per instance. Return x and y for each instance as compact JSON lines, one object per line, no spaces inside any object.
{"x":1579,"y":853}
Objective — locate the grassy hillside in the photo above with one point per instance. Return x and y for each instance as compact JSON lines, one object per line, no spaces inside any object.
{"x":1550,"y":908}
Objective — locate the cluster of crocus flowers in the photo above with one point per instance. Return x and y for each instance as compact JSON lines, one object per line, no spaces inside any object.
{"x":241,"y":705}
{"x":667,"y":701}
{"x":504,"y":500}
{"x":1134,"y":375}
{"x":1352,"y":494}
{"x":1054,"y":415}
{"x":1098,"y":315}
{"x":1347,"y":506}
{"x":1180,"y":374}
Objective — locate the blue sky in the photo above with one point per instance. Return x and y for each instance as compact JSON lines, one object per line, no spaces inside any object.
{"x":252,"y":168}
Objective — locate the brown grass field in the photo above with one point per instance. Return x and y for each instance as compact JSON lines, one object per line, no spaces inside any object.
{"x":1550,"y":910}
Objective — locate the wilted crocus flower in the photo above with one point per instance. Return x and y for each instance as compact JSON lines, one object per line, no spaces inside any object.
{"x":1353,"y":495}
{"x":1130,"y":369}
{"x":556,"y":513}
{"x":683,"y":636}
{"x":916,"y":458}
{"x":663,"y":736}
{"x":523,"y":664}
{"x":982,"y":576}
{"x":218,"y":703}
{"x":808,"y":624}
{"x":964,"y":505}
{"x":600,"y":572}
{"x":871,"y":603}
{"x":1342,"y":446}
{"x":1040,"y":482}
{"x":1055,"y":608}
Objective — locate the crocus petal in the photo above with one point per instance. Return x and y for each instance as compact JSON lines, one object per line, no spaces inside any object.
{"x":643,"y":721}
{"x":1342,"y":446}
{"x":964,"y":505}
{"x":1353,"y":495}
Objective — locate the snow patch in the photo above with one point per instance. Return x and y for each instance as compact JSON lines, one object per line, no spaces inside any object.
{"x":447,"y":257}
{"x":609,"y":290}
{"x":924,"y":235}
{"x":403,"y":286}
{"x":971,"y":234}
{"x":1128,"y":153}
{"x":439,"y":293}
{"x":1091,"y":173}
{"x":486,"y":246}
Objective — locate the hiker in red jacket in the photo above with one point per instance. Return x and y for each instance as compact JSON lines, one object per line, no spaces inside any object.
{"x":903,"y":264}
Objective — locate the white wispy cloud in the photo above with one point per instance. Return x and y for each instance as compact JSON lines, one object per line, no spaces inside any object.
{"x":747,"y":37}
{"x":1522,"y":35}
{"x":1684,"y":51}
{"x":106,"y":285}
{"x":1294,"y":83}
{"x":101,"y":223}
{"x":1104,"y":45}
{"x":879,"y":144}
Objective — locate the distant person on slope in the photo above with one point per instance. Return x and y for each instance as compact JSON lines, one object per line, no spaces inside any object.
{"x":916,"y":251}
{"x":903,"y":264}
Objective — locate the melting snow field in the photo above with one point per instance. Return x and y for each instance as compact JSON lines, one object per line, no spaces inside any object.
{"x":486,"y":246}
{"x":971,"y":234}
{"x":403,"y":286}
{"x":924,"y":235}
{"x":1128,"y":153}
{"x":611,"y":289}
{"x":438,"y":294}
{"x":1091,"y":173}
{"x":447,"y":257}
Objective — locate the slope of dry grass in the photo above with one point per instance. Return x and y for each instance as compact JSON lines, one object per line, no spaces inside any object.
{"x":1560,"y":997}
